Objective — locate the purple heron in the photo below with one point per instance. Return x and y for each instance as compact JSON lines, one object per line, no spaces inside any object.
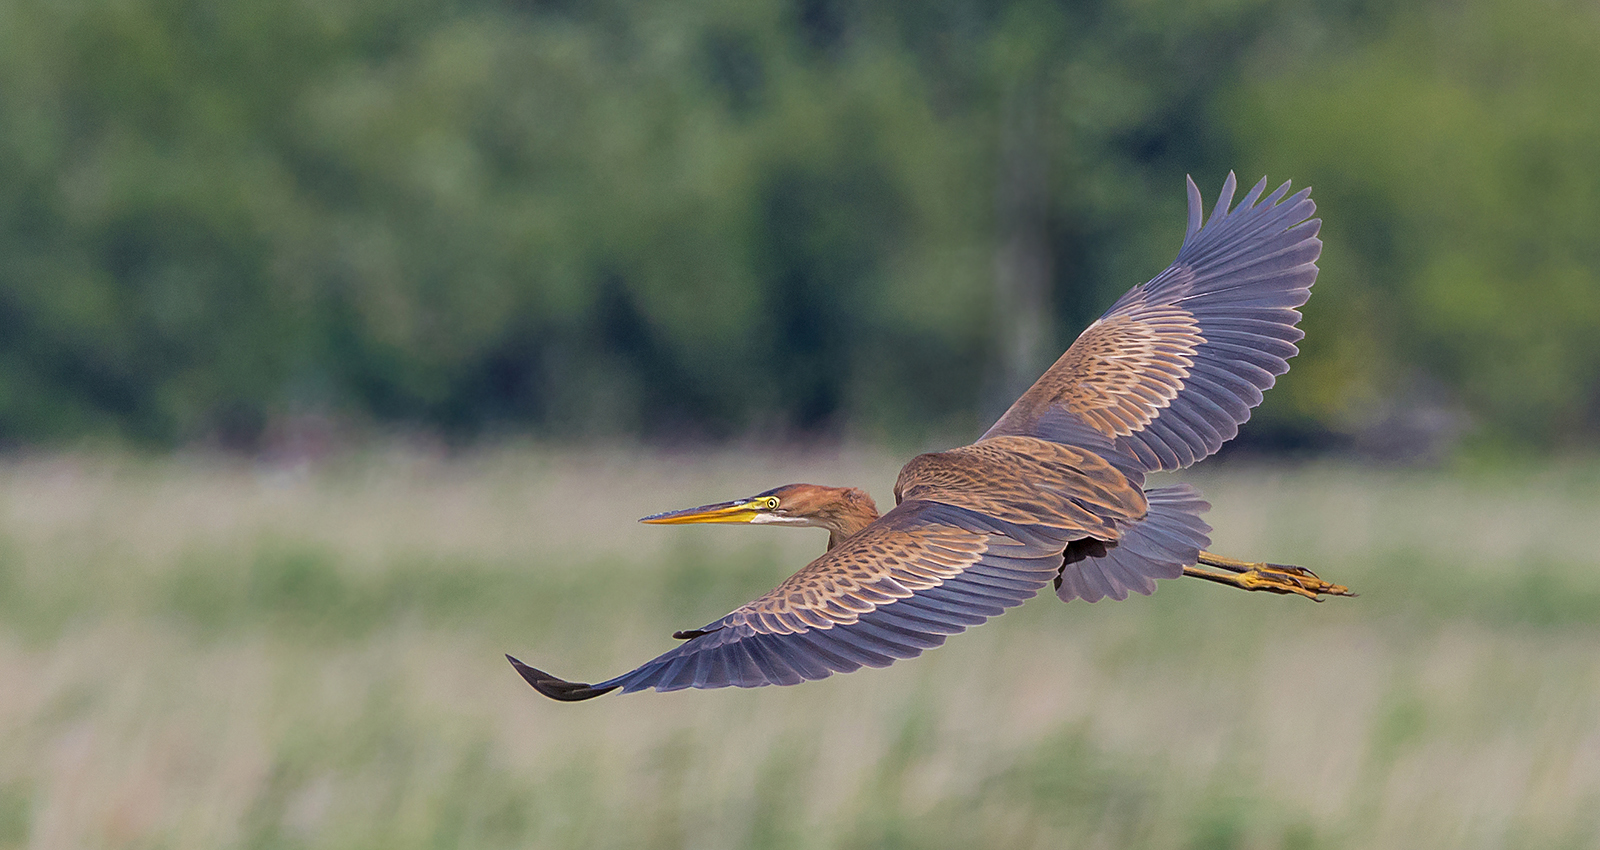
{"x":1053,"y":492}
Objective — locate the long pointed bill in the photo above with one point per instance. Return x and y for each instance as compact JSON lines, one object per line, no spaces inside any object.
{"x":742,"y":510}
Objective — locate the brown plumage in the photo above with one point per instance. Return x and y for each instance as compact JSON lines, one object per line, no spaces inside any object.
{"x":1054,"y":492}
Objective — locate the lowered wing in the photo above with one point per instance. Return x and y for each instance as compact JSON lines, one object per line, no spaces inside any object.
{"x":920,"y":573}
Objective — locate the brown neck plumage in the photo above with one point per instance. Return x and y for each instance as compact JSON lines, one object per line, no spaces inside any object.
{"x":852,"y":511}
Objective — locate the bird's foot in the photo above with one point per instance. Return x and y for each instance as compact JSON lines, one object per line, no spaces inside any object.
{"x":1272,"y":578}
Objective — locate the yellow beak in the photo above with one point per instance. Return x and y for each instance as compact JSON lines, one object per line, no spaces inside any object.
{"x":742,"y":510}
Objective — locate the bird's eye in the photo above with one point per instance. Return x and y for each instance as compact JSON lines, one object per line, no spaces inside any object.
{"x":770,"y":503}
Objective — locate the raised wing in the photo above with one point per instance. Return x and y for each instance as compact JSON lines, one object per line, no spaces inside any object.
{"x":1173,"y":369}
{"x":920,"y":573}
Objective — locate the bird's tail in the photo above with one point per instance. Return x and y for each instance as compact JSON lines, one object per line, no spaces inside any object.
{"x":1168,"y":538}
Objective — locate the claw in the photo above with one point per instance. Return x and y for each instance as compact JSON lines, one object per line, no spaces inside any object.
{"x":1271,"y":578}
{"x":1281,"y":579}
{"x":1308,"y":582}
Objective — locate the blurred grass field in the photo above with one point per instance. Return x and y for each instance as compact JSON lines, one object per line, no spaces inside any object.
{"x":197,"y":653}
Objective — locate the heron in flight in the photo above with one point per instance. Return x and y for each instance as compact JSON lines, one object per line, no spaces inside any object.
{"x":1052,"y":493}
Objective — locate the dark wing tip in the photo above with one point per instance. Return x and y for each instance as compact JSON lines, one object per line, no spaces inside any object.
{"x":558,"y":689}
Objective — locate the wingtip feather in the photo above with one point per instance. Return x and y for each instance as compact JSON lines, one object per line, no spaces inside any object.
{"x":557,"y":689}
{"x":1225,"y":198}
{"x":1254,"y":194}
{"x":1196,"y":209}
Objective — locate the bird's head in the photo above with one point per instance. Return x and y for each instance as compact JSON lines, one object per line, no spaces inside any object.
{"x":841,"y":510}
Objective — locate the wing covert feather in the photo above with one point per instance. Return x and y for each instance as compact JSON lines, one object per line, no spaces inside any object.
{"x":1028,"y":482}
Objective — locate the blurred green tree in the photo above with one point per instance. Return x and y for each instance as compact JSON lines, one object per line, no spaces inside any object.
{"x":803,"y":216}
{"x":1455,"y":154}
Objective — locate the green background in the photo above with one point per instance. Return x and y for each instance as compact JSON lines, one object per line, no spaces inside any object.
{"x":806,"y":219}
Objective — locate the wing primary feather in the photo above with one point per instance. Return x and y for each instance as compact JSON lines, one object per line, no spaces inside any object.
{"x":965,"y":601}
{"x":1180,"y":426}
{"x":846,"y":645}
{"x":1258,"y":269}
{"x":649,"y":675}
{"x":798,"y":657}
{"x":1191,"y":414}
{"x":743,"y":670}
{"x":865,"y":639}
{"x":912,"y":618}
{"x":1009,"y":582}
{"x":825,"y":654}
{"x":556,"y":688}
{"x":776,"y":671}
{"x":1247,"y":392}
{"x":1196,"y":210}
{"x":1209,"y":406}
{"x":979,"y":593}
{"x":909,"y":643}
{"x":1225,"y":197}
{"x":1280,"y":349}
{"x":1143,"y":452}
{"x":1262,"y":360}
{"x":1254,"y":194}
{"x":711,"y":668}
{"x":680,"y":674}
{"x":1283,"y":189}
{"x":1159,"y":439}
{"x":1265,"y":321}
{"x":937,"y":611}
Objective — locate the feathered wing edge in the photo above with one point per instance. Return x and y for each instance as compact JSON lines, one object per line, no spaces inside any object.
{"x":1203,"y":339}
{"x":557,"y":688}
{"x":1240,"y":276}
{"x":731,"y":652}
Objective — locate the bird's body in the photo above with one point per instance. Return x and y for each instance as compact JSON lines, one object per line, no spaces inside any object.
{"x":1052,"y":493}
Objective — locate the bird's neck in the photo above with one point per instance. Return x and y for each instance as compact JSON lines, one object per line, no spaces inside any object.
{"x":855,"y":515}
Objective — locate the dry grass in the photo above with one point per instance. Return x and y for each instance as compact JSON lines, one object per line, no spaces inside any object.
{"x":202,"y":654}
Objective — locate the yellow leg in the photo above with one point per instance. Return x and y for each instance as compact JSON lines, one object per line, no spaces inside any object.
{"x":1272,"y":578}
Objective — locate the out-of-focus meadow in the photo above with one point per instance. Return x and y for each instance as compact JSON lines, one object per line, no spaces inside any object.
{"x":204,"y":654}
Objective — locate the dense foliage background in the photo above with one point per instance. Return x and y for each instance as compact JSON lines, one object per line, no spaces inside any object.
{"x":716,"y":218}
